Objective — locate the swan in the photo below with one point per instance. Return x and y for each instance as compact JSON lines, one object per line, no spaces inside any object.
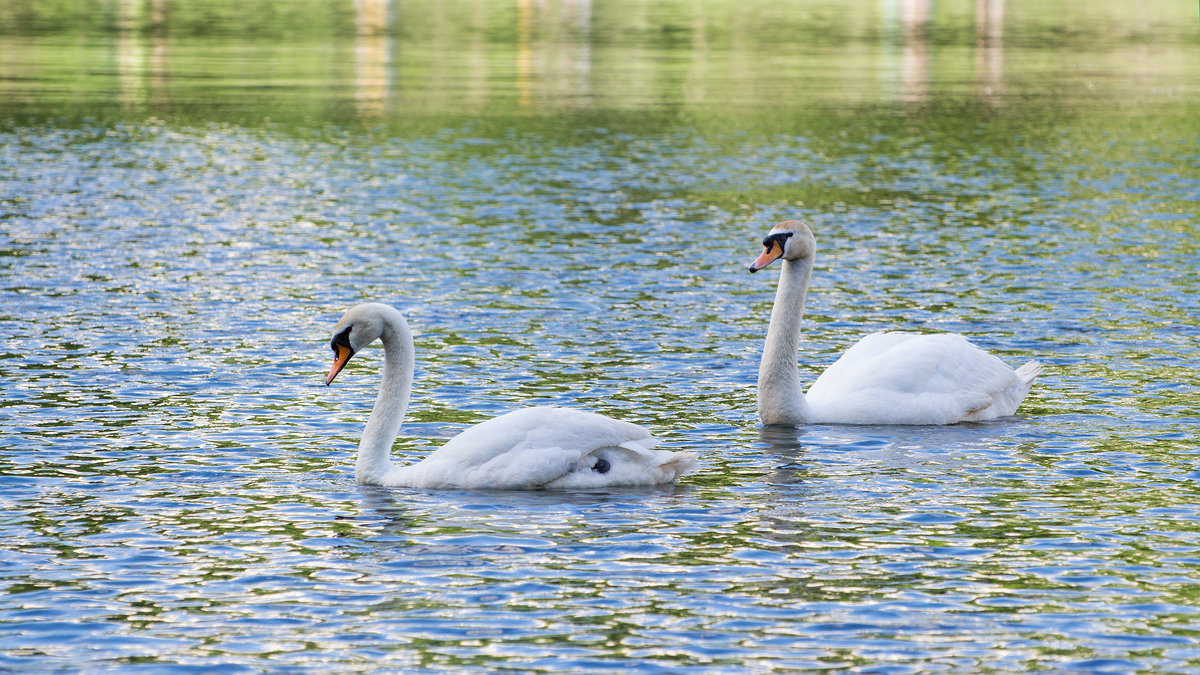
{"x":532,"y":448}
{"x":887,"y":378}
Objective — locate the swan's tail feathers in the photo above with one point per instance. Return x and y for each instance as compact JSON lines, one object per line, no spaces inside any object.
{"x":669,"y":464}
{"x":1029,"y":371}
{"x":1006,"y":401}
{"x":678,"y":464}
{"x":1017,"y":393}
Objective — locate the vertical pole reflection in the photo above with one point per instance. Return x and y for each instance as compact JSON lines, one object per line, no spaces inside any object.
{"x":578,"y":54}
{"x":372,"y":56}
{"x":524,"y":54}
{"x":989,"y":49}
{"x":130,"y":55}
{"x":914,"y":59}
{"x":554,"y":53}
{"x":141,"y":76}
{"x":158,"y":53}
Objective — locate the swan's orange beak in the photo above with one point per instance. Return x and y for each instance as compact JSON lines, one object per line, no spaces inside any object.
{"x":341,"y":356}
{"x":772,"y":252}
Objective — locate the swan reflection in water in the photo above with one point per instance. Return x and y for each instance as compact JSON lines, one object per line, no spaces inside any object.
{"x":798,"y":452}
{"x":438,"y":521}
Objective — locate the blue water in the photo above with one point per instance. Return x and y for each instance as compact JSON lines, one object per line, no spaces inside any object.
{"x":176,"y":482}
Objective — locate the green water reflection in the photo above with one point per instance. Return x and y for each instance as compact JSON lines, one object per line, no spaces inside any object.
{"x":757,"y":66}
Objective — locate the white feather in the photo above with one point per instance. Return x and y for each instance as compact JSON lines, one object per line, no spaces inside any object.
{"x":525,"y":449}
{"x":887,"y":378}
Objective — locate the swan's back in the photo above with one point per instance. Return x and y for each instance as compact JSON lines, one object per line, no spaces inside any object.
{"x":907,"y":378}
{"x":546,"y":447}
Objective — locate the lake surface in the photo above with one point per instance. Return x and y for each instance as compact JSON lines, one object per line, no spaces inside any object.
{"x":562,"y":197}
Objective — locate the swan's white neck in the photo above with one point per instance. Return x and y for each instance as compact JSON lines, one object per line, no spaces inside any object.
{"x":375,"y":448}
{"x":780,"y":393}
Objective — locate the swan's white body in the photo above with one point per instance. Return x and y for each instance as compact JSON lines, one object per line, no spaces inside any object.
{"x":887,"y":378}
{"x":525,"y":449}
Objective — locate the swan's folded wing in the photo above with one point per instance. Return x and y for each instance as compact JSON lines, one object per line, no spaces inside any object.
{"x":530,"y":447}
{"x":906,"y":378}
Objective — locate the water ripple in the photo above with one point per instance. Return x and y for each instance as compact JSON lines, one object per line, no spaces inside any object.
{"x":177,"y":483}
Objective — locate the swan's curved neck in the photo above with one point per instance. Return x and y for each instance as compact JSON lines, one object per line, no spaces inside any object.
{"x":375,"y":448}
{"x":780,"y":392}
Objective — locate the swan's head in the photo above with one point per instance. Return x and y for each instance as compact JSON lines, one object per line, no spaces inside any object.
{"x":790,"y":240}
{"x":357,"y":328}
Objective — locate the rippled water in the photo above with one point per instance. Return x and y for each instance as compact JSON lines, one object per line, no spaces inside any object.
{"x":177,"y":486}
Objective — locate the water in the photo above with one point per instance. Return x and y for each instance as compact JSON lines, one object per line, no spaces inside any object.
{"x":563,"y":201}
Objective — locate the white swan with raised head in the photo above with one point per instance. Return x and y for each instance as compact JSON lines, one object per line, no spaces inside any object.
{"x":887,"y":378}
{"x":526,"y":449}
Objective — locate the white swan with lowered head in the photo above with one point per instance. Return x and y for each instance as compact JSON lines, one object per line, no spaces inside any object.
{"x":526,"y":449}
{"x":887,"y":378}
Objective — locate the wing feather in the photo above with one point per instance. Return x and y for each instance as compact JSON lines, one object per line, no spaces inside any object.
{"x":906,"y":378}
{"x":542,"y":446}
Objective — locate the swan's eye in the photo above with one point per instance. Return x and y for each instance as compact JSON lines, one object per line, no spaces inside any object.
{"x":601,"y":466}
{"x":777,"y":238}
{"x":342,"y":339}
